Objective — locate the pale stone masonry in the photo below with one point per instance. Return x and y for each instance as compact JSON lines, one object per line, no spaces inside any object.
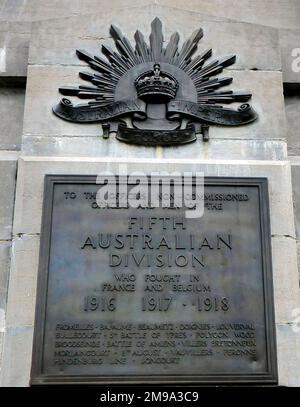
{"x":37,"y":45}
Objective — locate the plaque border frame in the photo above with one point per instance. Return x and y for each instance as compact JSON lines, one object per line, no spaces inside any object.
{"x":270,"y":377}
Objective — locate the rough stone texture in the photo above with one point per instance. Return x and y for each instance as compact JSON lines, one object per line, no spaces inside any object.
{"x":7,"y":187}
{"x":276,"y":13}
{"x":33,"y":10}
{"x":17,"y":358}
{"x":17,"y":15}
{"x":286,"y":287}
{"x":296,"y":194}
{"x":54,"y":64}
{"x":17,"y":347}
{"x":289,"y":40}
{"x":298,"y":257}
{"x":292,"y":109}
{"x":11,"y":112}
{"x":288,"y":354}
{"x":296,"y":198}
{"x":4,"y":274}
{"x":30,"y":188}
{"x":84,"y":24}
{"x":265,"y":87}
{"x":4,"y":270}
{"x":14,"y":44}
{"x":42,"y":93}
{"x":24,"y":256}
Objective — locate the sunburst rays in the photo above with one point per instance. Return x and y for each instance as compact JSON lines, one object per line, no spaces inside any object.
{"x":202,"y":72}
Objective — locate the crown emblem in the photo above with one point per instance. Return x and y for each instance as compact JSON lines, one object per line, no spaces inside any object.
{"x":156,"y":85}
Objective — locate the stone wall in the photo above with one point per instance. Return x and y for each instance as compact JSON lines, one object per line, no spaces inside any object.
{"x":37,"y":43}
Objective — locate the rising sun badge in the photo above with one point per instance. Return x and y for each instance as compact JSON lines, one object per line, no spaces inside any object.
{"x":155,"y":94}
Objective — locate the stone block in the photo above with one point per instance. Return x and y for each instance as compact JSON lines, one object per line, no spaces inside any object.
{"x":18,"y":329}
{"x":15,"y":35}
{"x":68,"y":146}
{"x":298,"y":257}
{"x":30,"y":187}
{"x":97,"y":147}
{"x":1,"y":349}
{"x":289,"y":41}
{"x":256,"y":150}
{"x":7,"y":187}
{"x":11,"y":110}
{"x":14,"y":45}
{"x":33,"y":10}
{"x":16,"y":18}
{"x":296,"y":195}
{"x":288,"y":355}
{"x":275,"y":13}
{"x":42,"y":93}
{"x":267,"y":100}
{"x":4,"y":274}
{"x":292,"y":109}
{"x":17,"y":358}
{"x":1,"y":345}
{"x":55,"y":41}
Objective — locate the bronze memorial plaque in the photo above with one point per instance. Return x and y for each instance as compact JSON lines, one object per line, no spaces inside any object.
{"x":148,"y":295}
